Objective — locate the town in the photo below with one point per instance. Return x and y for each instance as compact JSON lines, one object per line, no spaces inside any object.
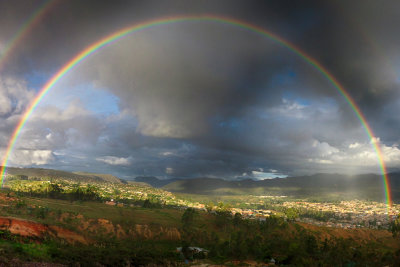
{"x":344,"y":214}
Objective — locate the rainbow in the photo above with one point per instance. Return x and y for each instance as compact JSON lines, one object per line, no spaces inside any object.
{"x":210,"y":18}
{"x":23,"y":30}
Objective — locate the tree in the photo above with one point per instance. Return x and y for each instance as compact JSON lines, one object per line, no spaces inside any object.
{"x":238,"y":246}
{"x":147,"y":204}
{"x":188,"y":223}
{"x":237,"y":219}
{"x":116,"y":192}
{"x":223,"y":219}
{"x":291,"y":214}
{"x":21,"y":177}
{"x":395,"y":226}
{"x":53,"y":190}
{"x":209,"y":206}
{"x":311,"y":244}
{"x":188,"y":218}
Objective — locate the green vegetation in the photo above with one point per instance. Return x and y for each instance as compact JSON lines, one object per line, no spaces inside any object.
{"x":395,"y":226}
{"x":108,"y":253}
{"x":67,"y":190}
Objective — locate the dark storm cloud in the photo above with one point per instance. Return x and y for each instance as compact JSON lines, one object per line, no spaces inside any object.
{"x":211,"y":99}
{"x":355,"y":42}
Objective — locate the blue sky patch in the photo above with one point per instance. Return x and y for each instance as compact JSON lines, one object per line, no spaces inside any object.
{"x":96,"y":100}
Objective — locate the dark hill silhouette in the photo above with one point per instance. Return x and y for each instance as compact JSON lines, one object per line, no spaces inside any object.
{"x":154,"y":181}
{"x":365,"y":184}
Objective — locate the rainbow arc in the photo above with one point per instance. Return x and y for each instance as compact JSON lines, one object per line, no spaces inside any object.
{"x":24,"y":30}
{"x":97,"y":46}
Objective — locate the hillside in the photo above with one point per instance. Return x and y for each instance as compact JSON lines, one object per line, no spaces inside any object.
{"x":92,"y":233}
{"x":141,"y":225}
{"x":57,"y":174}
{"x":105,"y":177}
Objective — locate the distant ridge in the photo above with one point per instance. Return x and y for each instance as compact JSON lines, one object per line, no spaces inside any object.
{"x":370,"y":185}
{"x":105,"y":177}
{"x":154,"y":181}
{"x":56,"y":174}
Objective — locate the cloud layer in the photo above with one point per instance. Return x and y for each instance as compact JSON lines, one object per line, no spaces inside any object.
{"x":204,"y":98}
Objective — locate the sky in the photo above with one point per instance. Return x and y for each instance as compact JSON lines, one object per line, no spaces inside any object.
{"x":201,"y":98}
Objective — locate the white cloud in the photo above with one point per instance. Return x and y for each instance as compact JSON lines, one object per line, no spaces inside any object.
{"x":356,"y":155}
{"x":53,"y":128}
{"x":323,"y":149}
{"x":55,"y":114}
{"x":354,"y":145}
{"x":260,"y":175}
{"x":5,"y":103}
{"x":26,"y":157}
{"x":115,"y":160}
{"x":291,"y":109}
{"x":162,"y":128}
{"x":391,"y":155}
{"x":14,"y":95}
{"x":321,"y":161}
{"x":59,"y":153}
{"x":167,"y":153}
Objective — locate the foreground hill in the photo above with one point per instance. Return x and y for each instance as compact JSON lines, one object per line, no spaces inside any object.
{"x":366,"y":185}
{"x":92,"y":233}
{"x":131,"y":224}
{"x":32,"y":173}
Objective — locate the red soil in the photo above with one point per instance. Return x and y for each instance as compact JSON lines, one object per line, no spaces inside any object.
{"x":37,"y":230}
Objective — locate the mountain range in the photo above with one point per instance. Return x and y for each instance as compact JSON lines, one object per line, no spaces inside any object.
{"x":322,"y":184}
{"x":370,"y":185}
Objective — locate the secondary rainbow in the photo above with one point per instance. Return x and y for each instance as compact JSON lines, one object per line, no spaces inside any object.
{"x":209,"y":18}
{"x":23,"y":30}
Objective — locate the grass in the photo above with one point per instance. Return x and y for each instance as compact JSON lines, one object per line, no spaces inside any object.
{"x":95,"y":210}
